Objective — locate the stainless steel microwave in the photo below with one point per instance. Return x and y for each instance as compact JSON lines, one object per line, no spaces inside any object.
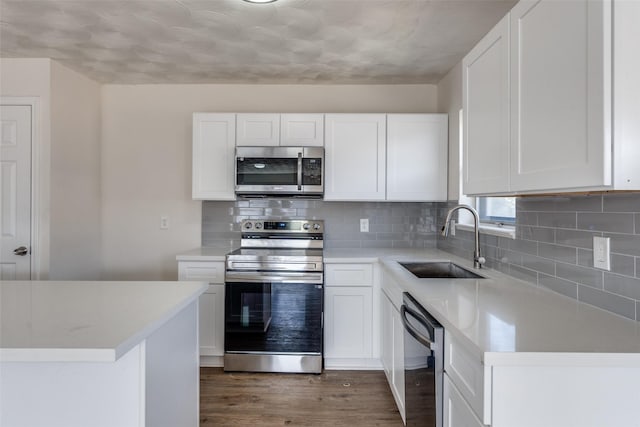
{"x":280,"y":171}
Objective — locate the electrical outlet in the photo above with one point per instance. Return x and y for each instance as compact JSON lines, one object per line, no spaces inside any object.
{"x":364,"y":225}
{"x":601,"y":253}
{"x":164,"y":222}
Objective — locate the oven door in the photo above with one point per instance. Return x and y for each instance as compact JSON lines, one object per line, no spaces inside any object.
{"x":273,"y":317}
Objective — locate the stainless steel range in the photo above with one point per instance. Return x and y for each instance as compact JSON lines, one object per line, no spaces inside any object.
{"x":274,"y":298}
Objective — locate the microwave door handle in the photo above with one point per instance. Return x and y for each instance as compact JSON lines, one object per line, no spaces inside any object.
{"x":299,"y":171}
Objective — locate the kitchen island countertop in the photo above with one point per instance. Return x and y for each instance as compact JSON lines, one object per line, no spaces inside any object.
{"x":85,"y":321}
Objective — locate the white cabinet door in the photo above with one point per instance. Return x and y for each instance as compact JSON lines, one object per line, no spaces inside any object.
{"x":348,"y":323}
{"x":386,"y":319}
{"x":211,"y":303}
{"x":559,"y":89}
{"x":397,"y":386}
{"x":212,"y":321}
{"x":355,"y":157}
{"x":302,"y":130}
{"x":466,"y":371}
{"x":258,"y":129}
{"x":393,"y":351}
{"x":214,"y":136}
{"x":485,"y":152}
{"x":457,"y":412}
{"x":417,"y":157}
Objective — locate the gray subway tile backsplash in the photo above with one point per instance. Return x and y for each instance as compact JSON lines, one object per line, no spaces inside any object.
{"x":554,"y":248}
{"x":621,"y":203}
{"x":564,"y":287}
{"x":577,"y":238}
{"x":625,"y":244}
{"x":622,"y":285}
{"x":623,"y":264}
{"x":557,"y":252}
{"x":583,"y":275}
{"x":560,"y":204}
{"x":611,"y":302}
{"x":610,"y":222}
{"x":400,"y":225}
{"x":556,"y":219}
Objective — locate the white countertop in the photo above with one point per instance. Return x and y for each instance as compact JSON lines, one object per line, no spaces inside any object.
{"x":205,"y":254}
{"x":84,"y":321}
{"x":507,"y":320}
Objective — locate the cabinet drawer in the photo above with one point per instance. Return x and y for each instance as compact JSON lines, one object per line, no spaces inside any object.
{"x":349,"y":274}
{"x":209,"y":271}
{"x":466,"y":371}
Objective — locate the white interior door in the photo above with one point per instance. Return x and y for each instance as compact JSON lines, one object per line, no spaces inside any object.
{"x":15,"y":192}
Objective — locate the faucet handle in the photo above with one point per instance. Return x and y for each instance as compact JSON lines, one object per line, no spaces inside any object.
{"x":481,"y":260}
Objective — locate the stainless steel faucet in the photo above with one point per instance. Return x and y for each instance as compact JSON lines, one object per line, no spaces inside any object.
{"x":478,"y":259}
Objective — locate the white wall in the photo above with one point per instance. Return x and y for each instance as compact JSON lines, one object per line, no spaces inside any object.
{"x":67,"y":173}
{"x":450,"y":101}
{"x":146,"y":157}
{"x":75,"y":176}
{"x":31,"y":78}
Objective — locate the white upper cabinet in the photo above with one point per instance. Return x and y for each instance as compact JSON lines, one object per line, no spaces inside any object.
{"x":302,"y":130}
{"x":355,"y":156}
{"x":214,"y":136}
{"x":573,"y":100}
{"x":558,"y":137}
{"x":258,"y":129}
{"x":417,"y":157}
{"x":261,"y":129}
{"x":486,"y":113}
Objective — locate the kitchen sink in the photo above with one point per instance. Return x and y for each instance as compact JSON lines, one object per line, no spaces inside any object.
{"x":439,"y":269}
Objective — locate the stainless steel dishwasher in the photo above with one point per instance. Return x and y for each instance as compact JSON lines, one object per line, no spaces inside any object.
{"x":423,"y":365}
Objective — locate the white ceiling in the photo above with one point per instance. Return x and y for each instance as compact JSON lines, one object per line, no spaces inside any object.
{"x":231,"y":41}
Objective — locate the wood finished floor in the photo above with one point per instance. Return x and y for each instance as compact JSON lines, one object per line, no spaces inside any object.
{"x":333,"y":398}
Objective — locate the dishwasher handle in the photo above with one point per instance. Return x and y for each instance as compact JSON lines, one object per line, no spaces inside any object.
{"x":426,"y":341}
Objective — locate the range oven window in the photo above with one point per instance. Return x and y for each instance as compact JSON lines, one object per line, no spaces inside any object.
{"x":267,"y":171}
{"x":273,"y":317}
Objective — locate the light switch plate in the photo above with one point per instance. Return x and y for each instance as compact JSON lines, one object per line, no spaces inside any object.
{"x":164,"y":222}
{"x":364,"y":225}
{"x":602,"y":253}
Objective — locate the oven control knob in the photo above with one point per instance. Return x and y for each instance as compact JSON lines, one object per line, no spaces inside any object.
{"x":248,"y":225}
{"x":316,"y":226}
{"x":306,"y":226}
{"x":258,"y":225}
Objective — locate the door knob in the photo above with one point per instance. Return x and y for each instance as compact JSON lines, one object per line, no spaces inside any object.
{"x":21,"y":251}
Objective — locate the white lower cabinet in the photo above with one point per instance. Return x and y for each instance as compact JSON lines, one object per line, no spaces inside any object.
{"x":211,"y":307}
{"x":465,"y":369}
{"x":212,"y":321}
{"x":350,"y":321}
{"x":393,"y":351}
{"x":457,"y":412}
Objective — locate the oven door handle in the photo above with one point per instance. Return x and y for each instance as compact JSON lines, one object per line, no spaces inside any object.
{"x":426,"y":341}
{"x":299,"y":171}
{"x":279,"y":277}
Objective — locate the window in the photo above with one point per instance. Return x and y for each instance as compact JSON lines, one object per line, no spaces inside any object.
{"x":493,"y":211}
{"x":497,"y":210}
